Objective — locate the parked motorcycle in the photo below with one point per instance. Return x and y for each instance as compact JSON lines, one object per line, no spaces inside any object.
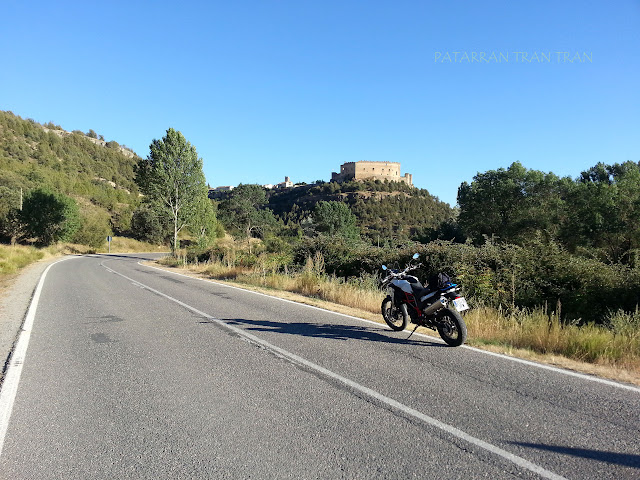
{"x":436,"y":305}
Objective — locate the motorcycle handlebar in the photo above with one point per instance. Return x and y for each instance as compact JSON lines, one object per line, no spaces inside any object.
{"x":412,"y":267}
{"x":397,"y":273}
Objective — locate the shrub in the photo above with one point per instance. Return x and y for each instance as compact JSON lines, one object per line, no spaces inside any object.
{"x":49,"y":217}
{"x":148,"y":227}
{"x":94,"y":228}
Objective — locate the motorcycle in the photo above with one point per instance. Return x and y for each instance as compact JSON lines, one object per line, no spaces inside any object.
{"x":429,"y":306}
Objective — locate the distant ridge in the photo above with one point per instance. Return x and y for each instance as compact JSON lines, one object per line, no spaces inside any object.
{"x":62,"y":133}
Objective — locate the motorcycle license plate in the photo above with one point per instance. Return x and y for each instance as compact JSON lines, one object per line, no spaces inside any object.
{"x":461,"y":304}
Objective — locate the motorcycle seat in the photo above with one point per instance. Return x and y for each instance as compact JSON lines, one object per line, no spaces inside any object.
{"x":420,"y":291}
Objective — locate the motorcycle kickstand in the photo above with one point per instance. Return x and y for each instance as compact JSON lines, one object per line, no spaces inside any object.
{"x":414,"y":329}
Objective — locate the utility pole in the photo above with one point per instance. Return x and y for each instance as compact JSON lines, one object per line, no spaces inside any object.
{"x":20,"y":198}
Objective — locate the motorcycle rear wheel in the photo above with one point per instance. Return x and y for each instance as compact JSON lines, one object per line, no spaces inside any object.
{"x":451,"y":327}
{"x":396,"y":317}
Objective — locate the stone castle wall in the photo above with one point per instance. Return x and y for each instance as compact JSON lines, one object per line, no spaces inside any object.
{"x":371,"y":170}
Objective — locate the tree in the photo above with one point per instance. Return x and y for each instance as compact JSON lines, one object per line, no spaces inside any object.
{"x":511,"y":204}
{"x":147,"y":227}
{"x":335,"y":218}
{"x":11,"y":225}
{"x":49,"y":217}
{"x":171,"y":177}
{"x":205,"y":227}
{"x":244,"y":211}
{"x":604,"y":211}
{"x":94,"y":228}
{"x":9,"y":199}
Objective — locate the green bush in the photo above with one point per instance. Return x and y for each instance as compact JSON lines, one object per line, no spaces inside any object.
{"x":94,"y":228}
{"x":148,"y":227}
{"x":509,"y":277}
{"x":49,"y":217}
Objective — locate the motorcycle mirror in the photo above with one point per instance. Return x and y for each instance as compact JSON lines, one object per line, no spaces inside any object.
{"x":416,"y":256}
{"x":384,"y":267}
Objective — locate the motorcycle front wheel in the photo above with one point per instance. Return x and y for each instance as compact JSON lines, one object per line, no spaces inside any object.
{"x":396,"y":317}
{"x":451,"y":327}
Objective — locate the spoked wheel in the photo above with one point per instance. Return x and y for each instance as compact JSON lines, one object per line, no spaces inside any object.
{"x":395,"y":317}
{"x":451,"y":327}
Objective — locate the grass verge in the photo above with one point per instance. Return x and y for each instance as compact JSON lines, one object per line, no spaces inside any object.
{"x":15,"y":257}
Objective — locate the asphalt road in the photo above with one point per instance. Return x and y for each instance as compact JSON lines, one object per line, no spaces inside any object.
{"x":135,"y":372}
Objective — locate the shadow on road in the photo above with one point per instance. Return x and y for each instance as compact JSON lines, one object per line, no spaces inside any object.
{"x":624,"y":459}
{"x":333,"y":332}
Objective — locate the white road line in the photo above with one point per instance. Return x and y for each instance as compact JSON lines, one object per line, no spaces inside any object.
{"x":519,"y":461}
{"x":14,"y":370}
{"x":563,"y":371}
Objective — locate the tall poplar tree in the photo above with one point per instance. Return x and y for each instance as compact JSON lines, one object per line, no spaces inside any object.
{"x":173,"y":182}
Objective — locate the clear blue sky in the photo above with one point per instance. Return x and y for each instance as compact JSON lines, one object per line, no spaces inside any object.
{"x":265,"y":89}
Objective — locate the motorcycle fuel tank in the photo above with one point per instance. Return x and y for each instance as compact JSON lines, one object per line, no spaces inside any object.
{"x":403,"y":285}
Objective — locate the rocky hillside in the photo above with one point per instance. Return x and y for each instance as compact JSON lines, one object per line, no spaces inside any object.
{"x":98,"y":174}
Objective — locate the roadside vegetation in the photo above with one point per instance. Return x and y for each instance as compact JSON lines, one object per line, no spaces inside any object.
{"x":15,"y":257}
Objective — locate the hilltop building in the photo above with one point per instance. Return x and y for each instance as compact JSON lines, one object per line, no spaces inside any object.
{"x":219,"y":192}
{"x":376,"y":170}
{"x":225,"y":188}
{"x":286,"y":184}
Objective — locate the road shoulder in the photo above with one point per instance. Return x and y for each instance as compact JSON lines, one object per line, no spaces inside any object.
{"x":15,"y":297}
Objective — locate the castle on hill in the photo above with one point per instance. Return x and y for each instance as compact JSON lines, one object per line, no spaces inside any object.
{"x":360,"y":170}
{"x":374,"y":170}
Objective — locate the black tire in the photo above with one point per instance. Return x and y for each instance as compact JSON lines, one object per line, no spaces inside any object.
{"x":451,"y":327}
{"x":396,"y":317}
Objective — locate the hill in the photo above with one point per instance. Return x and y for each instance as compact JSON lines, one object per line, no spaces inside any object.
{"x":390,"y":211}
{"x":98,"y":174}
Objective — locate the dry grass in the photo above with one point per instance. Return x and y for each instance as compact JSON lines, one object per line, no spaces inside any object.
{"x":15,"y":257}
{"x":129,"y":245}
{"x":544,"y":334}
{"x":609,"y":352}
{"x":118,"y":245}
{"x":361,"y":293}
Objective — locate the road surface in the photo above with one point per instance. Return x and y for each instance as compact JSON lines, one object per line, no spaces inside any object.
{"x":135,"y":372}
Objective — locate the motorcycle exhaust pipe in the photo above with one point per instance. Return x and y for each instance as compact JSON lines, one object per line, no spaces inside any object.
{"x":434,"y":307}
